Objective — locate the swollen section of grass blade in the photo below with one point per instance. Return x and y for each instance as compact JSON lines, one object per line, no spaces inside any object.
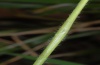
{"x":59,"y":36}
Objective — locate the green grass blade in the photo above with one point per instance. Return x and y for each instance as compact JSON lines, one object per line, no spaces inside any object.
{"x":47,"y":1}
{"x":35,"y":41}
{"x":19,"y":5}
{"x":52,"y":61}
{"x":59,"y":36}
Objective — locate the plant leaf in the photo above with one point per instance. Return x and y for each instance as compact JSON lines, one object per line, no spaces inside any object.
{"x":52,"y":61}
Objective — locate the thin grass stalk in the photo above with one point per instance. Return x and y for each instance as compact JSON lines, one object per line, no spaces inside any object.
{"x":59,"y":36}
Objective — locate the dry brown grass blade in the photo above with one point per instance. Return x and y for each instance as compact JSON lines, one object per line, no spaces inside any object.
{"x":38,"y":17}
{"x":77,"y":27}
{"x":84,"y":29}
{"x":6,"y":41}
{"x":48,"y":8}
{"x":11,"y":60}
{"x":14,"y":59}
{"x":39,"y":31}
{"x":69,"y":54}
{"x":24,"y":46}
{"x":87,"y":24}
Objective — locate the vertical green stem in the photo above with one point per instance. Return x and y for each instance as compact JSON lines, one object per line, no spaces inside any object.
{"x":61,"y":33}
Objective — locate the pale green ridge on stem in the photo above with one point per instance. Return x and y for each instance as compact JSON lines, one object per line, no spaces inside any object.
{"x":61,"y":33}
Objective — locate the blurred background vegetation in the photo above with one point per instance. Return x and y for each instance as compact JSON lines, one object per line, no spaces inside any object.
{"x":27,"y":26}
